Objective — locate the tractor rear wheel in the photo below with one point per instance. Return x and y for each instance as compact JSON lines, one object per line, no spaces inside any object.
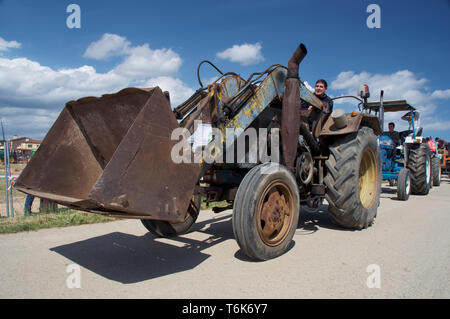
{"x":436,"y":168}
{"x":166,"y":229}
{"x":353,"y":179}
{"x":419,"y":163}
{"x":266,"y":211}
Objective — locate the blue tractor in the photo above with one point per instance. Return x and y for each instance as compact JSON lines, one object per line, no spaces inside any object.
{"x":406,"y":158}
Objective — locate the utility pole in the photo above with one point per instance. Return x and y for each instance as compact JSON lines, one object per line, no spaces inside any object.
{"x":10,"y":190}
{"x":6,"y":172}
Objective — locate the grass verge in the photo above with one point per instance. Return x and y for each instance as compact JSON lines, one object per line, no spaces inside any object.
{"x":62,"y":218}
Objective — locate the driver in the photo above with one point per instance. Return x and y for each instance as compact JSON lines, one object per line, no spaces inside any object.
{"x":394,"y":135}
{"x":319,"y":91}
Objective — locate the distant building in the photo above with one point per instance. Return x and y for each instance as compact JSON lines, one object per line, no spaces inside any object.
{"x":21,"y":148}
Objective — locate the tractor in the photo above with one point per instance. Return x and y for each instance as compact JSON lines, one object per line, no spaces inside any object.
{"x":407,"y":163}
{"x":444,"y":157}
{"x":130,"y":155}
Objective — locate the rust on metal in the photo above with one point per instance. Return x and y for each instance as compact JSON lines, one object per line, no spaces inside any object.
{"x":354,"y":122}
{"x":290,"y":120}
{"x":275,"y":213}
{"x":113,"y":155}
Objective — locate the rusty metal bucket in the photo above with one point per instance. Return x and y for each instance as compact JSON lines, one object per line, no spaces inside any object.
{"x":112,"y":155}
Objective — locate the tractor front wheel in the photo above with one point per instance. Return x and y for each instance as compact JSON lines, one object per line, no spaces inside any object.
{"x":404,"y":184}
{"x":266,"y":211}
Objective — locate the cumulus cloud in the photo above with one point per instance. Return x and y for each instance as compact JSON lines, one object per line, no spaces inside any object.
{"x":109,"y":45}
{"x":144,"y":62}
{"x":5,"y":45}
{"x":245,"y":54}
{"x":32,"y":95}
{"x":401,"y":85}
{"x":27,"y":83}
{"x":139,"y":61}
{"x":441,"y":94}
{"x":179,"y":91}
{"x":32,"y":123}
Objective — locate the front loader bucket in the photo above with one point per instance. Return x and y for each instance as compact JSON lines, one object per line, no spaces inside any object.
{"x":112,"y":155}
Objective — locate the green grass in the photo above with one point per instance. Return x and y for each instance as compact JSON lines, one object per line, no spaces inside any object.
{"x":214,"y":204}
{"x":61,"y":218}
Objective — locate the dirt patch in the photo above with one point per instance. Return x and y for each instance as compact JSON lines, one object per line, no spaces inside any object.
{"x":18,"y":204}
{"x":18,"y":197}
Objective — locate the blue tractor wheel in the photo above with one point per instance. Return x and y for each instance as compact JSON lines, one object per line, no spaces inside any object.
{"x":404,"y":184}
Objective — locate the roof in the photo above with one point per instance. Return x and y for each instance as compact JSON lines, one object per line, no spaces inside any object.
{"x":26,"y":140}
{"x":391,"y":106}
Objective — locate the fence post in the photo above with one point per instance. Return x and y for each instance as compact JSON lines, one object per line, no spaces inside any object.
{"x":6,"y":172}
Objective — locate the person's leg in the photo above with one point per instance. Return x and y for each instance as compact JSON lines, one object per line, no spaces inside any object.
{"x":28,"y":204}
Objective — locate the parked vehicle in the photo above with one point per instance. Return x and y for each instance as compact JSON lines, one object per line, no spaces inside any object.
{"x":408,"y":163}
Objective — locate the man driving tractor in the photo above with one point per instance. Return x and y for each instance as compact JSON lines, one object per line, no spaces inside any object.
{"x":320,"y":92}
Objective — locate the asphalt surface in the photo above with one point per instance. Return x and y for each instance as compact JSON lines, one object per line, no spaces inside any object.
{"x":405,"y":254}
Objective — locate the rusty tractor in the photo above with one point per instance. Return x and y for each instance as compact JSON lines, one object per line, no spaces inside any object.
{"x":130,"y":155}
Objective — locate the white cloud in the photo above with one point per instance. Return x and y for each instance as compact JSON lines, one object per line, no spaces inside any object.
{"x":139,"y":61}
{"x":27,"y":83}
{"x":397,"y":84}
{"x":32,"y":95}
{"x":245,"y":54}
{"x":28,"y":122}
{"x":5,"y":45}
{"x":401,"y":85}
{"x":144,"y":62}
{"x":109,"y":45}
{"x":441,"y":94}
{"x":179,"y":91}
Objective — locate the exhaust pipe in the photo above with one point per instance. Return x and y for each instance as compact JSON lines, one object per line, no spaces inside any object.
{"x":295,"y":60}
{"x":290,"y":121}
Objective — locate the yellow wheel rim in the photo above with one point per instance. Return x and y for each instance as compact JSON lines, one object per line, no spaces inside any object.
{"x":368,"y":178}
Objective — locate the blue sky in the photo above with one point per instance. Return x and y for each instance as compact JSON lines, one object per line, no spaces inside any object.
{"x":44,"y":64}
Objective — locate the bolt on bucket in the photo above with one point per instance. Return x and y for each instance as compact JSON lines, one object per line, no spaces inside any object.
{"x":112,"y":155}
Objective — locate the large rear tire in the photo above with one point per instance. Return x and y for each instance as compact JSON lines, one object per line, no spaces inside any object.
{"x":266,"y":211}
{"x":419,"y":164}
{"x":353,"y":179}
{"x":166,"y":229}
{"x":436,"y":168}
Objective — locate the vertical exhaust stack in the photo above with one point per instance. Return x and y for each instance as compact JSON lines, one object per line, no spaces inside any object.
{"x":290,"y":122}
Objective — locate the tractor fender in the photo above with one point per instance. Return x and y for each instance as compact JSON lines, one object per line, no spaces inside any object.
{"x":354,"y":122}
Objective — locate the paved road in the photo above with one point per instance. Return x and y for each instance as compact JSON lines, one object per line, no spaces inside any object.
{"x":409,"y":244}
